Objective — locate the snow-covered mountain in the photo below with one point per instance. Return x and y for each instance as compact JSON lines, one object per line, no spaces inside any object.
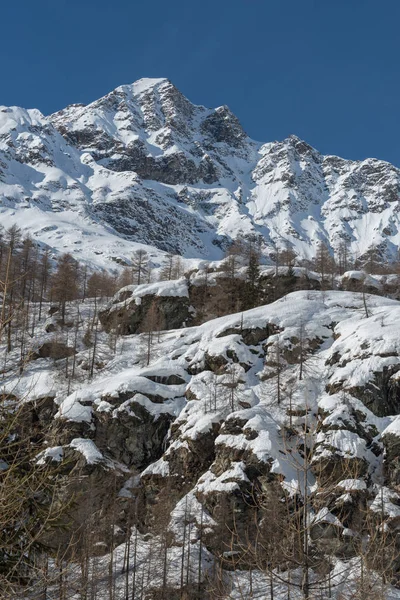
{"x":143,"y":165}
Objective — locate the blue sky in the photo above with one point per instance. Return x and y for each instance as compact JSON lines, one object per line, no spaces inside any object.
{"x":325,"y":70}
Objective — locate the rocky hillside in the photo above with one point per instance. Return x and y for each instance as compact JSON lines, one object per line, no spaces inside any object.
{"x":216,"y":433}
{"x":143,"y":165}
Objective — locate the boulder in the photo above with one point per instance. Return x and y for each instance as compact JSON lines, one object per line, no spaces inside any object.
{"x":160,"y":306}
{"x":131,"y":434}
{"x":55,"y":350}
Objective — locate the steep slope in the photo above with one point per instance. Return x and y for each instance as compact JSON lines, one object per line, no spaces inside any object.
{"x":144,"y":165}
{"x":149,"y":127}
{"x":294,"y":400}
{"x":62,"y":197}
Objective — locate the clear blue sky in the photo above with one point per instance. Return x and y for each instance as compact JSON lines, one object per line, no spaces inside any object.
{"x":325,"y":70}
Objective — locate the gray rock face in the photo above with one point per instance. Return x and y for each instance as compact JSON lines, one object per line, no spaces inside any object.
{"x":382,"y":395}
{"x":223,"y":126}
{"x":89,"y":495}
{"x":391,"y":444}
{"x":127,"y":438}
{"x":128,"y":318}
{"x":132,"y":437}
{"x":54,"y":350}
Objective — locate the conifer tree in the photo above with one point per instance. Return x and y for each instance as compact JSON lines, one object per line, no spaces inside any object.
{"x":44,"y":276}
{"x":140,"y":266}
{"x":252,"y":290}
{"x":65,"y":283}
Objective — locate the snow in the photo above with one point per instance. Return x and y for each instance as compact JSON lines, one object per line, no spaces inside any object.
{"x":88,"y":449}
{"x":325,"y":516}
{"x":189,"y":510}
{"x":367,"y":348}
{"x":265,"y":445}
{"x":175,"y":288}
{"x":54,"y":454}
{"x":352,"y":484}
{"x":167,"y":407}
{"x":387,"y":502}
{"x":366,"y":279}
{"x":15,"y":118}
{"x":284,"y":191}
{"x":160,"y":467}
{"x":227,"y":482}
{"x":346,"y":443}
{"x":72,"y":410}
{"x":134,"y":293}
{"x":393,"y":428}
{"x":144,"y":84}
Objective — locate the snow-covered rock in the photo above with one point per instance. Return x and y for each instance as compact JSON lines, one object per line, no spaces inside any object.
{"x":148,"y":307}
{"x":247,"y":414}
{"x":144,"y":167}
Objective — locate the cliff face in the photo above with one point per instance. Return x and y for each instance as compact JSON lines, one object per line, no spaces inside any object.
{"x":145,"y":165}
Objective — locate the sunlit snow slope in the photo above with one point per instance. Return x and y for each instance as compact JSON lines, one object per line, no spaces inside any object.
{"x":143,"y":165}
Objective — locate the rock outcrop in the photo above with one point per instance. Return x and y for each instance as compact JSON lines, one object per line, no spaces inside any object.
{"x":148,"y":307}
{"x":249,"y":418}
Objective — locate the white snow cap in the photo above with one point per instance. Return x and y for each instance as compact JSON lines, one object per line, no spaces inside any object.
{"x":144,"y":84}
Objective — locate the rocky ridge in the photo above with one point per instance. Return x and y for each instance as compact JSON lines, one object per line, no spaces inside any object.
{"x":143,"y":165}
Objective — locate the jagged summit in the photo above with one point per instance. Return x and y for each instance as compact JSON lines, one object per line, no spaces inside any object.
{"x":144,"y":165}
{"x":145,"y":84}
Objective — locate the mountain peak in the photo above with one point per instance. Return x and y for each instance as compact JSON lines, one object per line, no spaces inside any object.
{"x":143,"y":85}
{"x":147,"y":142}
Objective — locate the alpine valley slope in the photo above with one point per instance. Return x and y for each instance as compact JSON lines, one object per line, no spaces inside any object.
{"x":143,"y":165}
{"x":209,"y":432}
